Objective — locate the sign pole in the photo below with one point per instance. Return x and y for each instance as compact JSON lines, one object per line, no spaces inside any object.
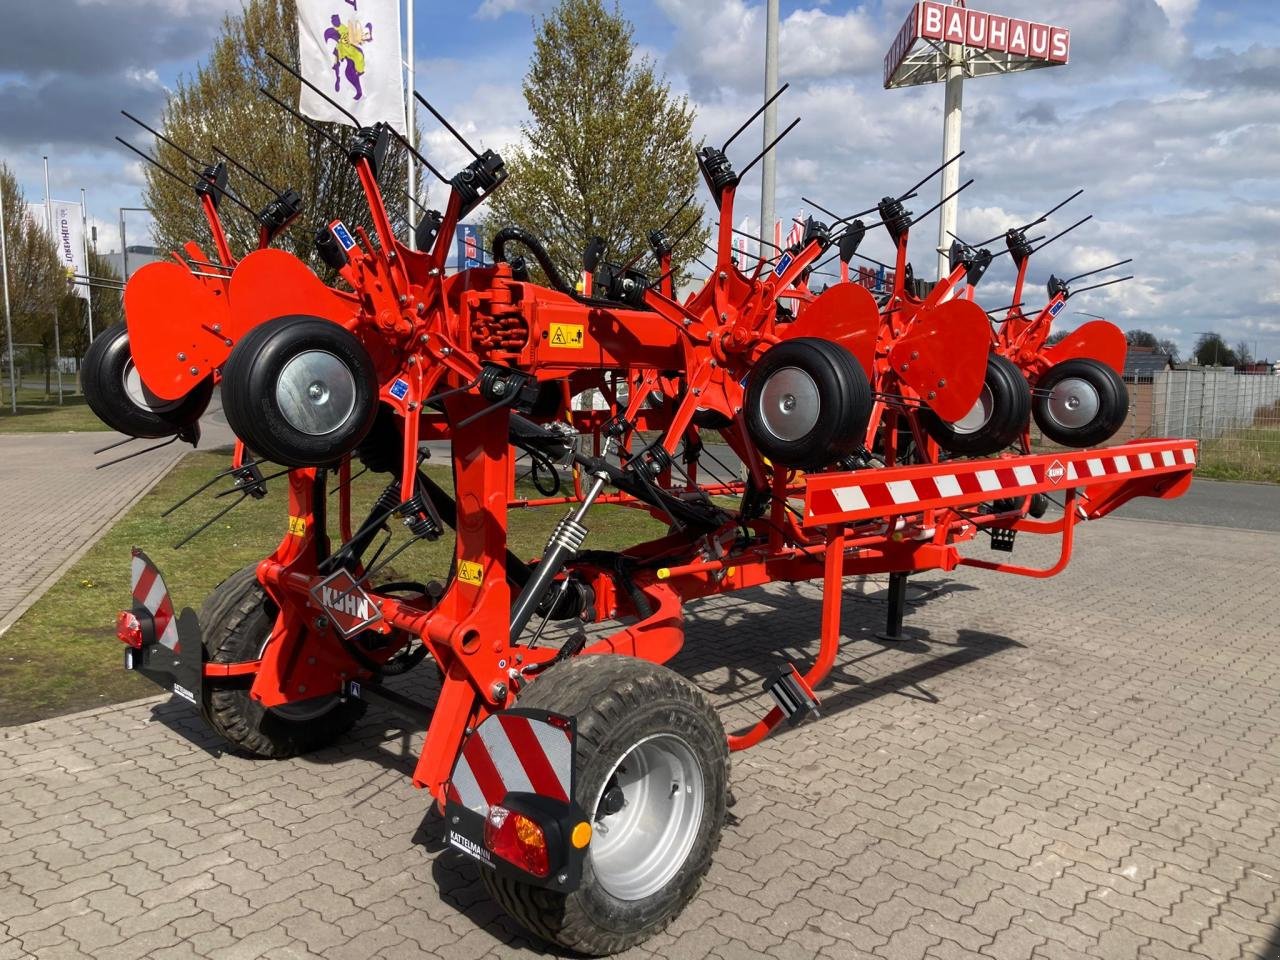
{"x":768,"y":167}
{"x":951,"y":128}
{"x":57,"y":345}
{"x":412,"y":132}
{"x":88,"y":287}
{"x":8,"y":319}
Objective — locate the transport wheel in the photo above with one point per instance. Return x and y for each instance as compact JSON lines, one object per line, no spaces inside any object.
{"x":116,"y":395}
{"x":300,"y":391}
{"x":236,"y":620}
{"x":807,"y":403}
{"x":1080,"y":403}
{"x":995,"y":421}
{"x":652,"y":774}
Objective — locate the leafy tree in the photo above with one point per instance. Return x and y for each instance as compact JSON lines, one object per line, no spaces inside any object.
{"x":1171,"y":350}
{"x":73,"y":312}
{"x":1142,"y":338}
{"x":609,"y":150}
{"x":1212,"y":351}
{"x":221,"y":106}
{"x":1057,"y":337}
{"x":1244,"y":353}
{"x":36,"y":279}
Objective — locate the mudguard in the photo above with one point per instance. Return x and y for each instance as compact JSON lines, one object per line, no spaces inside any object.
{"x":172,"y":651}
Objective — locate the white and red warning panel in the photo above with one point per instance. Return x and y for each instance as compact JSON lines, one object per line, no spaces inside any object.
{"x":991,"y":44}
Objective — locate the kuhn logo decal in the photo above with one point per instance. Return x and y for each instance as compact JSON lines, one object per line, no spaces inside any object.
{"x":1055,"y":472}
{"x":340,"y":601}
{"x":350,"y":609}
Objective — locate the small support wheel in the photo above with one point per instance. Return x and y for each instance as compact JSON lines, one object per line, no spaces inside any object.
{"x":808,"y":402}
{"x":116,"y":394}
{"x":236,"y":621}
{"x":652,"y":773}
{"x":1080,"y":403}
{"x":996,"y":420}
{"x":300,"y":391}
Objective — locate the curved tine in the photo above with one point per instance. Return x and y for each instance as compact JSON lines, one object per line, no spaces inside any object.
{"x":751,"y":119}
{"x":946,"y":163}
{"x":447,"y":125}
{"x":1112,"y":266}
{"x":776,"y":140}
{"x":328,"y":99}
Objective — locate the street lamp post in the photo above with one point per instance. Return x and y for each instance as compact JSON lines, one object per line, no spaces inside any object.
{"x":124,"y":243}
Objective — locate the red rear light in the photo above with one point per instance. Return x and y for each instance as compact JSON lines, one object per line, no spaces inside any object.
{"x":517,"y":839}
{"x":128,"y":629}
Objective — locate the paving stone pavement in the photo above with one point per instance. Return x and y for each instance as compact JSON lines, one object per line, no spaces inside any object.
{"x":1085,"y":767}
{"x":55,"y":504}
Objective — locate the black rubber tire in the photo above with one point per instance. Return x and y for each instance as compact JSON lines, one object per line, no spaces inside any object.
{"x":618,"y":701}
{"x":236,"y":620}
{"x":1010,"y":411}
{"x":249,"y":391}
{"x":102,"y":378}
{"x":844,"y":403}
{"x":1112,"y":396}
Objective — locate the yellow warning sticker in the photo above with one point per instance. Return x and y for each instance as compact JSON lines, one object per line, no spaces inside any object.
{"x":568,"y":336}
{"x":470,"y":572}
{"x":298,"y":526}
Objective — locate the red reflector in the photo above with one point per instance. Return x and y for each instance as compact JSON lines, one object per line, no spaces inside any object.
{"x":128,"y":629}
{"x":517,"y":839}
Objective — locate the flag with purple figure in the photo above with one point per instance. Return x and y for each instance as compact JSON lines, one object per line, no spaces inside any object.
{"x":68,"y":237}
{"x":351,"y":50}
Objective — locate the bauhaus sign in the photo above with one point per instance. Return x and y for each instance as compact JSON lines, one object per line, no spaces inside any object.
{"x":1016,"y":43}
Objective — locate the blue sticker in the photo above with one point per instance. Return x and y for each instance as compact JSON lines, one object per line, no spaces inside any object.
{"x":399,"y":389}
{"x":344,"y":235}
{"x":1057,"y":308}
{"x":785,"y":262}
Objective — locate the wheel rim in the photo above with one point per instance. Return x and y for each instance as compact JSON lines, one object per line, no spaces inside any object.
{"x":639,"y":847}
{"x":316,"y":392}
{"x":789,"y":404}
{"x":304,"y":710}
{"x":137,"y":392}
{"x":978,"y":416}
{"x":1073,"y":403}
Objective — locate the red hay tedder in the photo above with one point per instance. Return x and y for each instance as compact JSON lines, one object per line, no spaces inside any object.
{"x":588,"y":780}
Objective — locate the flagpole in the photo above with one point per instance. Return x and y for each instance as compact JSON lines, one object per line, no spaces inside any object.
{"x":84,"y":239}
{"x":57,"y":346}
{"x":412,"y":133}
{"x":8,"y":319}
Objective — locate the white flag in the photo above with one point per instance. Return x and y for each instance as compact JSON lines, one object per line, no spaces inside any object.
{"x":351,"y":50}
{"x":68,"y":237}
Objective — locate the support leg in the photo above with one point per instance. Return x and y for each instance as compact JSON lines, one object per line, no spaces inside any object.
{"x":897,"y":601}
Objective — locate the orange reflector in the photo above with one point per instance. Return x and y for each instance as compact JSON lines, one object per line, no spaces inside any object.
{"x":581,"y":835}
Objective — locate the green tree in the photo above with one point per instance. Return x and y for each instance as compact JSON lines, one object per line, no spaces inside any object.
{"x":1142,"y":338}
{"x":609,"y":149}
{"x":221,"y":106}
{"x":1212,"y":351}
{"x":73,"y":312}
{"x":36,"y":279}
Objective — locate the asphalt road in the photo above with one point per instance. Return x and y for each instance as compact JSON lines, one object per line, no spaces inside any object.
{"x":1214,"y":503}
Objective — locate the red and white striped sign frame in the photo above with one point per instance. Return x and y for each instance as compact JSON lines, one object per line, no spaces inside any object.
{"x":1002,"y":44}
{"x":516,"y":751}
{"x":150,"y":592}
{"x":869,"y":494}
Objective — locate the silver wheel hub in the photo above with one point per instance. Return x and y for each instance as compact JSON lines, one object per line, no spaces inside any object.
{"x":978,"y":416}
{"x":137,"y":391}
{"x":789,"y":404}
{"x":316,"y":392}
{"x":647,"y":817}
{"x":1073,"y":403}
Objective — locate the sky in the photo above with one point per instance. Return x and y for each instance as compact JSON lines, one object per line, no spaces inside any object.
{"x":1168,"y":116}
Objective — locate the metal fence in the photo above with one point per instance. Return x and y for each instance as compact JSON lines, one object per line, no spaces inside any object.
{"x":1235,"y":416}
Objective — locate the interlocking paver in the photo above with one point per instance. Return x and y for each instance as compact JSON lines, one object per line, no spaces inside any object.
{"x":1087,"y":767}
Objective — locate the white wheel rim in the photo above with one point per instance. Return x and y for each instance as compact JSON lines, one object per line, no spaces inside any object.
{"x":636,"y":850}
{"x":789,"y":404}
{"x":316,"y":392}
{"x":1073,"y":403}
{"x":979,"y":414}
{"x":138,"y":393}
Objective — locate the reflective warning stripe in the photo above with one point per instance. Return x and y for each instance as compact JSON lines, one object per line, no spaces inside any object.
{"x":150,"y":592}
{"x":876,"y":493}
{"x":512,"y":753}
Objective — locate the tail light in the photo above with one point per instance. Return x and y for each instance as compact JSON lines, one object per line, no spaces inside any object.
{"x":129,"y":629}
{"x":518,"y":839}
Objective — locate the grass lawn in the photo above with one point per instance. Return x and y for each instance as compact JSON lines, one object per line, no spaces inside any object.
{"x":1245,"y":453}
{"x":63,"y":655}
{"x":38,"y":413}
